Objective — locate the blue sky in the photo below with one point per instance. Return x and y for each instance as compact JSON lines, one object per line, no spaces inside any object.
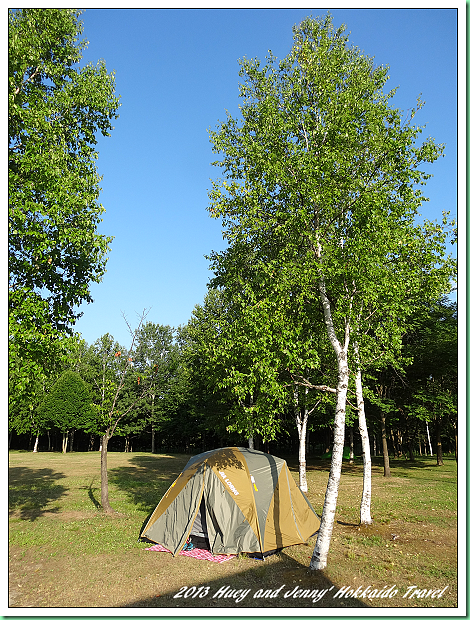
{"x":177,"y":73}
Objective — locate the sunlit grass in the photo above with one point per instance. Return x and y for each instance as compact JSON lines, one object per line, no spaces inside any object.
{"x":55,"y":515}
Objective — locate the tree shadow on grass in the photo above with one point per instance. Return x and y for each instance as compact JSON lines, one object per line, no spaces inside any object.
{"x":324,"y":464}
{"x":271,"y":583}
{"x":147,"y":479}
{"x":91,"y":489}
{"x":32,"y":490}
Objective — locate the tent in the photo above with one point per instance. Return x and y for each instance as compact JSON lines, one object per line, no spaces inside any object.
{"x":233,"y":500}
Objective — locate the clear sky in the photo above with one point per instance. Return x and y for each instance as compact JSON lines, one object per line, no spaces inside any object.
{"x":177,"y":73}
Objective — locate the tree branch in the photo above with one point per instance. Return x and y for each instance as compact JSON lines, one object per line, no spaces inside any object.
{"x":306,"y":383}
{"x":18,"y":89}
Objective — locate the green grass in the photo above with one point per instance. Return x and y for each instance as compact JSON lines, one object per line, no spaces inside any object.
{"x":66,"y":552}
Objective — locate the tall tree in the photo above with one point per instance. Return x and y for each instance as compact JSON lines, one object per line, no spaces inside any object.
{"x":206,"y":402}
{"x":68,"y":405}
{"x":116,"y":399}
{"x":321,"y":176}
{"x":156,"y":357}
{"x":55,"y":112}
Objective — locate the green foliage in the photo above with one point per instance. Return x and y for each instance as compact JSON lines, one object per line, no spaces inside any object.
{"x":55,"y":113}
{"x":34,"y":366}
{"x":68,"y":404}
{"x":157,"y":363}
{"x":105,"y":364}
{"x":318,"y":200}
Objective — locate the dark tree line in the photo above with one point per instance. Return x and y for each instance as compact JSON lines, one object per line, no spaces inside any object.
{"x":178,"y":408}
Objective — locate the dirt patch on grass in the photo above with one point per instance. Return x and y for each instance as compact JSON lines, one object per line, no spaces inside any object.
{"x":148,"y":579}
{"x":378,"y":555}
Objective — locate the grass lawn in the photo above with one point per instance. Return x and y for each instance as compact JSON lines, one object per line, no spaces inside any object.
{"x":65,"y":553}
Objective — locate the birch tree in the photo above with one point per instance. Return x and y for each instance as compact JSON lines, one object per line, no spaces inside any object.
{"x":321,"y":175}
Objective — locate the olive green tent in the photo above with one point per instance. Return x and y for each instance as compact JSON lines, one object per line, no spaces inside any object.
{"x":236,"y":500}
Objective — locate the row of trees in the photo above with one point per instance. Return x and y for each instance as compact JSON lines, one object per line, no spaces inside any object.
{"x":173,"y":395}
{"x":328,"y":305}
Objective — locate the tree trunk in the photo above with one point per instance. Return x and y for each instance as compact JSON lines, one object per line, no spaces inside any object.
{"x":251,"y":442}
{"x":438,"y":441}
{"x":65,"y":439}
{"x":320,"y":553}
{"x":301,"y":421}
{"x":366,"y":518}
{"x":429,"y":439}
{"x":387,"y":472}
{"x":396,"y":453}
{"x":72,"y":435}
{"x":48,"y":441}
{"x":322,"y":546}
{"x":301,"y":418}
{"x":455,"y":427}
{"x":104,"y":475}
{"x":35,"y":449}
{"x":400,"y":442}
{"x":153,"y":424}
{"x":351,"y":445}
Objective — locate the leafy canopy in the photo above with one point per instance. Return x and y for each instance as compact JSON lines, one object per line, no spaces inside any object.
{"x":318,"y":197}
{"x":68,"y":404}
{"x":55,"y":113}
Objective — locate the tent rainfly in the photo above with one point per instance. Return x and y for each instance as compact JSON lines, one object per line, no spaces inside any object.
{"x":233,"y":500}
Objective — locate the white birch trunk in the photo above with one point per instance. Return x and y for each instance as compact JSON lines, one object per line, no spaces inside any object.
{"x":429,"y":439}
{"x":366,"y":519}
{"x":320,"y":553}
{"x":322,"y":546}
{"x":35,"y":449}
{"x":301,"y":421}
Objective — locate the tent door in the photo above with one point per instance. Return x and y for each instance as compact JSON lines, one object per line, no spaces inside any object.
{"x":199,"y":536}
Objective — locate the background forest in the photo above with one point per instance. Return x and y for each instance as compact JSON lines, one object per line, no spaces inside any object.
{"x":179,"y":402}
